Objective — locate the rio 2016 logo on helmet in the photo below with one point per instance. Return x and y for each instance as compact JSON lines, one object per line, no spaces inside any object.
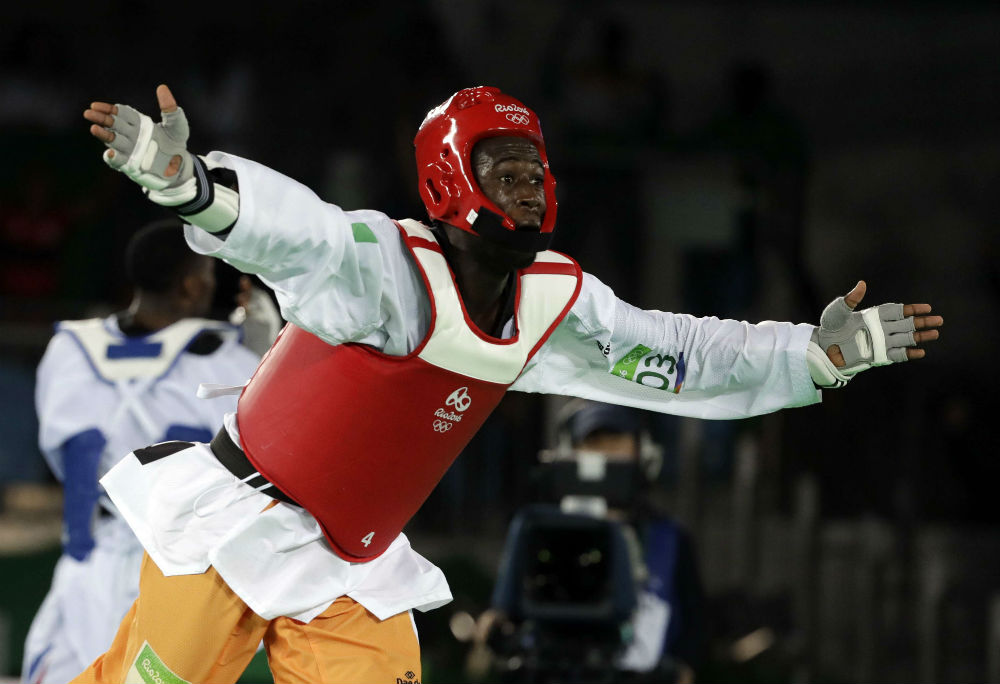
{"x":446,"y":179}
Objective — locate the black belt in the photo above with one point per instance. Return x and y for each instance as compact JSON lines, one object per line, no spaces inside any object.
{"x":236,"y":462}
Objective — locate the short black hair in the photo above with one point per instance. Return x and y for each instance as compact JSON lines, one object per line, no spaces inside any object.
{"x":157,"y":256}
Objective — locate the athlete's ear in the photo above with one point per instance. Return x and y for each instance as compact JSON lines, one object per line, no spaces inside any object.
{"x":191,"y":290}
{"x":437,"y":187}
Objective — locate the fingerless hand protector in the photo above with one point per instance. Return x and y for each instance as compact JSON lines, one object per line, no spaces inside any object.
{"x":202,"y":192}
{"x":876,"y":336}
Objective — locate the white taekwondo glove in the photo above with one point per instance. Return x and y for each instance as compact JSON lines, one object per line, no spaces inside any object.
{"x":876,"y":336}
{"x":143,"y":149}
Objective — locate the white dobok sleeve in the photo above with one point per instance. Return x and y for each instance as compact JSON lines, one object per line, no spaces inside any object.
{"x":610,"y":351}
{"x":323,"y":263}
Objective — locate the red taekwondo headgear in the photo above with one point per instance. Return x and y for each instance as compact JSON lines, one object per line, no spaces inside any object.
{"x":446,"y":179}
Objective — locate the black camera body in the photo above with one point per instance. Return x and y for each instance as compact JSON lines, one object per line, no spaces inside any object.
{"x":566,"y":589}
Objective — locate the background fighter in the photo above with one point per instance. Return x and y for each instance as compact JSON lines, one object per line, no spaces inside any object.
{"x":106,"y":386}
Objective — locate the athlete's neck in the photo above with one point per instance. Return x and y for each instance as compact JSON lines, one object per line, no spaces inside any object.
{"x":484,"y":272}
{"x":149,"y":312}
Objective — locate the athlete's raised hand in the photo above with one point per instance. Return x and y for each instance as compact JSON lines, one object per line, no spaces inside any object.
{"x":849,"y":341}
{"x":154,"y":155}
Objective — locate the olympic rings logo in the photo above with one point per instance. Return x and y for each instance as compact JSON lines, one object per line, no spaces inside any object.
{"x":519,"y":119}
{"x":441,"y":426}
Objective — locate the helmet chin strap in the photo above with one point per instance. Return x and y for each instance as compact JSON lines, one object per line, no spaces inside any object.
{"x":490,"y":226}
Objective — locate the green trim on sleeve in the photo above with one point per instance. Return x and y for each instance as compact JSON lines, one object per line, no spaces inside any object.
{"x":362,"y":233}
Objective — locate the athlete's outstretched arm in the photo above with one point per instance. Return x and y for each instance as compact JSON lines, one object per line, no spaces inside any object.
{"x":610,"y":351}
{"x":155,"y":156}
{"x":702,"y":367}
{"x":325,"y":265}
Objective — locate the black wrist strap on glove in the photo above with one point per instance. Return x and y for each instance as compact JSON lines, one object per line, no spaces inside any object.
{"x":209,"y":199}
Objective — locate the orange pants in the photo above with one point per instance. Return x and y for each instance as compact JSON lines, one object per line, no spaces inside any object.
{"x":193,"y":628}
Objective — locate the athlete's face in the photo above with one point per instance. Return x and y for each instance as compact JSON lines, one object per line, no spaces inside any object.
{"x":510,"y":173}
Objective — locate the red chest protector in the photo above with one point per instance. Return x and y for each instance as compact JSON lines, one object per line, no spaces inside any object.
{"x":360,"y":438}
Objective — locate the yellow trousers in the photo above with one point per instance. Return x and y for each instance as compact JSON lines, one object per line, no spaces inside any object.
{"x":194,"y":629}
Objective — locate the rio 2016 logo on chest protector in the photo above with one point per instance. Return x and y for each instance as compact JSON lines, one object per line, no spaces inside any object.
{"x":460,"y":401}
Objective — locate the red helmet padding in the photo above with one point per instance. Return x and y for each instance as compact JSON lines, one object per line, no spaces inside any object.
{"x":444,"y":142}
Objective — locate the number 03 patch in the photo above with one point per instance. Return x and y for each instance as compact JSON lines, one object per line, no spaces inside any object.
{"x":149,"y":669}
{"x":648,"y":368}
